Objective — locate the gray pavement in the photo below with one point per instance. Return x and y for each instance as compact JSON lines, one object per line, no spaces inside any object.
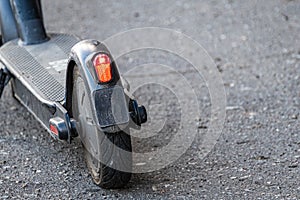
{"x":256,"y":47}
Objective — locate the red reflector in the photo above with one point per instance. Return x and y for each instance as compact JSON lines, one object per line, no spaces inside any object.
{"x":53,"y":129}
{"x":103,"y":68}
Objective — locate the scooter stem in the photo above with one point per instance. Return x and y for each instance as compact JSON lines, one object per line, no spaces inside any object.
{"x":29,"y":21}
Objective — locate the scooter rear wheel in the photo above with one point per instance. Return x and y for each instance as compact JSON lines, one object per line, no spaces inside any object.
{"x":103,"y":158}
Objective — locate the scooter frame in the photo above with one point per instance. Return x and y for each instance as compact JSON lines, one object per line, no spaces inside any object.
{"x":22,"y":20}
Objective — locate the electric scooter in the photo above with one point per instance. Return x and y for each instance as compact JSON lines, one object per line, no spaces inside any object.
{"x":72,"y":87}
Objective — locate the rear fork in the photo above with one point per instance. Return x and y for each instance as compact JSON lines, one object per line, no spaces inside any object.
{"x":61,"y":125}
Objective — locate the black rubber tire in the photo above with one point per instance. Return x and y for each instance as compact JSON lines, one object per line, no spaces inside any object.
{"x":104,"y":173}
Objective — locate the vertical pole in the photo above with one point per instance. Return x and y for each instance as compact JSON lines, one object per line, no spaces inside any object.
{"x":7,"y":22}
{"x":29,"y":20}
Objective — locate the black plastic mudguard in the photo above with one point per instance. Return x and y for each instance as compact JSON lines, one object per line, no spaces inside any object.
{"x":111,"y":106}
{"x":108,"y":100}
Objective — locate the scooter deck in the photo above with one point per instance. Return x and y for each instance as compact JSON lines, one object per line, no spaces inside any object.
{"x":41,"y":66}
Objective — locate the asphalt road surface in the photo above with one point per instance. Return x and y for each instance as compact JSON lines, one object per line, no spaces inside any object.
{"x":256,"y":48}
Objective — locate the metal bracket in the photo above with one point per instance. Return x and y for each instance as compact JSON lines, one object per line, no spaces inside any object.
{"x":4,"y":79}
{"x":138,"y":114}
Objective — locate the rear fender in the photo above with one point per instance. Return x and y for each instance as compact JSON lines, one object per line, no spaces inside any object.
{"x":82,"y":55}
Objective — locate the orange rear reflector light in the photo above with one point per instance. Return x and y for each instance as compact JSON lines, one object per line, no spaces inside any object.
{"x":102,"y":66}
